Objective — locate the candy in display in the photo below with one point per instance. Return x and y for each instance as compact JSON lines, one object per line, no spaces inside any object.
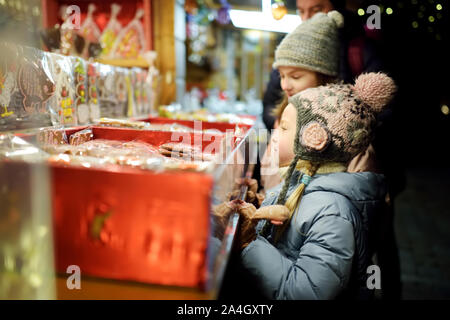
{"x":62,"y":73}
{"x":81,"y":137}
{"x":109,"y":122}
{"x":93,"y":101}
{"x":26,"y":88}
{"x":90,"y":33}
{"x":130,"y":42}
{"x":111,"y":31}
{"x":121,"y":92}
{"x":51,"y":136}
{"x":81,"y":95}
{"x":106,"y":90}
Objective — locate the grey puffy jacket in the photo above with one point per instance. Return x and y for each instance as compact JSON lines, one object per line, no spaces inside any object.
{"x":325,"y":251}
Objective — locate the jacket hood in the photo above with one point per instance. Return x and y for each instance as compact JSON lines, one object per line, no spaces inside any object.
{"x":358,"y":187}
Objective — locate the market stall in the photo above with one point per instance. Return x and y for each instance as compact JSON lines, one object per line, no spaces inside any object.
{"x":128,"y":201}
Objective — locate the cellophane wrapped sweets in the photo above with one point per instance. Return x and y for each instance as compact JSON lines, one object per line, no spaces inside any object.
{"x":27,"y":88}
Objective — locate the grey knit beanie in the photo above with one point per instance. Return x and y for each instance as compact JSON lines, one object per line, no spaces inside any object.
{"x":313,"y":45}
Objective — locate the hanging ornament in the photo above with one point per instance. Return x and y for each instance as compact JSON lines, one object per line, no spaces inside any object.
{"x":130,"y":42}
{"x":223,"y":14}
{"x":89,"y":29}
{"x":67,"y":33}
{"x":279,"y":10}
{"x":111,"y":31}
{"x":89,"y":32}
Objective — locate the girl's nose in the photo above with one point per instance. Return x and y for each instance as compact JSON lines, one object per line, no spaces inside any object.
{"x":285,"y":85}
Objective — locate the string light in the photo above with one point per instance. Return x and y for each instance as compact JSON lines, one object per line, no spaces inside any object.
{"x":431,"y":18}
{"x":445,"y":110}
{"x":438,"y":7}
{"x":361,"y":12}
{"x":415,"y":24}
{"x":389,"y":10}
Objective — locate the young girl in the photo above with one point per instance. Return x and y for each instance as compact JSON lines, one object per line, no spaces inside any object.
{"x":307,"y":57}
{"x":320,"y":249}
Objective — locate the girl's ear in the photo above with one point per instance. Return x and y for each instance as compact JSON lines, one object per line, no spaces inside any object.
{"x":314,"y":136}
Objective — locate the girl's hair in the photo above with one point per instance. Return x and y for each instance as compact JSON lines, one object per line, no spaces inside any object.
{"x":306,"y":168}
{"x":278,"y":110}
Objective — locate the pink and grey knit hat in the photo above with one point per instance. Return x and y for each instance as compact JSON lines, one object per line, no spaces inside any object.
{"x":335,"y":122}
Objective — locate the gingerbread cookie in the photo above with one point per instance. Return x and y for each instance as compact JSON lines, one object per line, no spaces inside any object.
{"x":35,"y":86}
{"x":81,"y":137}
{"x":51,"y":137}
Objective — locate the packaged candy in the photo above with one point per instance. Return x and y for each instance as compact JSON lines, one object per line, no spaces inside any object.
{"x":130,"y":42}
{"x":26,"y":88}
{"x":111,"y":31}
{"x":109,"y":122}
{"x":62,"y":72}
{"x":81,"y":137}
{"x":51,"y":136}
{"x":81,"y":93}
{"x":121,"y":90}
{"x":150,"y":84}
{"x":93,"y":101}
{"x":106,"y":90}
{"x":89,"y":31}
{"x":140,"y":94}
{"x":7,"y":84}
{"x":68,"y":35}
{"x":131,"y":101}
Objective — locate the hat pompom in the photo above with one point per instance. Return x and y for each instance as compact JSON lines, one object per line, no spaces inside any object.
{"x":337,"y":18}
{"x":375,"y":89}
